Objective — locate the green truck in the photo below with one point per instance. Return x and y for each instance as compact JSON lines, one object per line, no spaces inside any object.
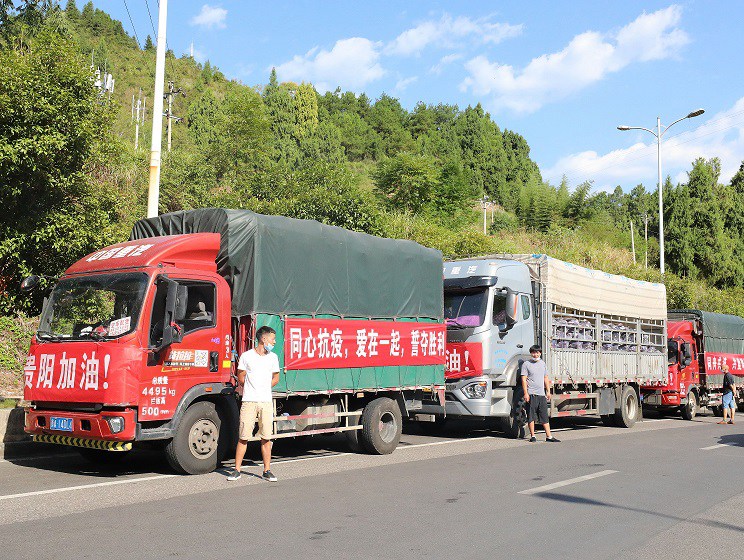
{"x":155,"y":325}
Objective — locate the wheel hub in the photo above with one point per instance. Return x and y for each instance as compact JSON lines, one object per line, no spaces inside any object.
{"x":203,"y":439}
{"x":388,"y":427}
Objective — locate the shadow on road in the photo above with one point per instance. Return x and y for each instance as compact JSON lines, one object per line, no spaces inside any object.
{"x":735,"y":440}
{"x":589,"y":502}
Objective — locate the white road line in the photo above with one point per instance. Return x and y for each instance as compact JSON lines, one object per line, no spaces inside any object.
{"x":717,"y":446}
{"x":84,"y":486}
{"x":442,"y":442}
{"x":566,"y":482}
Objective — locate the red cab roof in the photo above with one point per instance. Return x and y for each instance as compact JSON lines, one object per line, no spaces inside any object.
{"x":190,"y":251}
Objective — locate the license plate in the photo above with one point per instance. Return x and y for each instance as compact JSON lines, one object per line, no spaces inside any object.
{"x":60,"y":424}
{"x":451,"y":386}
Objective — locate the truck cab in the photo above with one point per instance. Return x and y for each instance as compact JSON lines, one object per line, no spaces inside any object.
{"x":488,"y":309}
{"x":128,"y":336}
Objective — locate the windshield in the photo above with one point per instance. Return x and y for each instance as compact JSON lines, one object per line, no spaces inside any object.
{"x":94,"y":307}
{"x":465,"y":309}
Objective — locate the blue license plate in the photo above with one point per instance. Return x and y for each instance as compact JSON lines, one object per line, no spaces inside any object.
{"x":60,"y":424}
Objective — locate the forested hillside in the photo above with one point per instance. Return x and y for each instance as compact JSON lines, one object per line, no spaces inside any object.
{"x":72,"y":180}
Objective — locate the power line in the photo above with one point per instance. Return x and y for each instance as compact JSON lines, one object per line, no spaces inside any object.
{"x":147,"y":4}
{"x":132,"y":22}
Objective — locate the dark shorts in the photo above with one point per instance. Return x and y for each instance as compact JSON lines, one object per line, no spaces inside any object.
{"x":538,"y":411}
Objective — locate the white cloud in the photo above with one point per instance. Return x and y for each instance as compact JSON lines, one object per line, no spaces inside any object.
{"x":588,"y":58}
{"x":720,"y":136}
{"x":401,"y":85}
{"x":351,"y":64}
{"x":447,"y":31}
{"x":443,"y":62}
{"x":210,"y":16}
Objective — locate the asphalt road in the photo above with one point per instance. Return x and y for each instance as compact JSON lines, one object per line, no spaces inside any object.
{"x":666,"y":488}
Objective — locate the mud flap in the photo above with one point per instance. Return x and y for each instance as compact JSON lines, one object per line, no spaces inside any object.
{"x":607,"y":401}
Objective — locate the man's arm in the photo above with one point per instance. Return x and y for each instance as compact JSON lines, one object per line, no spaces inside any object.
{"x":241,"y":376}
{"x":524,"y":388}
{"x":547,"y":387}
{"x":274,"y":378}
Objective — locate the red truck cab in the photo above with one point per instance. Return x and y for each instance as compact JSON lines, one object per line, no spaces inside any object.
{"x":128,"y":335}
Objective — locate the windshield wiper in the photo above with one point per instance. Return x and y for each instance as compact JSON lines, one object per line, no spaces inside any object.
{"x":455,"y":323}
{"x":94,"y":335}
{"x":46,"y":335}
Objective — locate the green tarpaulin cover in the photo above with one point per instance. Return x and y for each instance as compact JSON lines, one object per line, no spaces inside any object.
{"x":282,"y":265}
{"x":721,"y":333}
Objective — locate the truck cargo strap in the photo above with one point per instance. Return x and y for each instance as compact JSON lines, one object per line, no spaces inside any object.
{"x":83,"y":442}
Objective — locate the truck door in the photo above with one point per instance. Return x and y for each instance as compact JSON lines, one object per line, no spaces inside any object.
{"x":514,"y":339}
{"x":195,"y":359}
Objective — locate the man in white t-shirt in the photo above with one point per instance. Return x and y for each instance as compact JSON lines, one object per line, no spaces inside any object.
{"x":258,"y":372}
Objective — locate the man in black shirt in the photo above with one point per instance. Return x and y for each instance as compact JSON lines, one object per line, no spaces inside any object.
{"x":728,"y":402}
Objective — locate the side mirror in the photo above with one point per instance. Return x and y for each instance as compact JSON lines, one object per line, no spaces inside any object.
{"x":512,"y":308}
{"x":175,"y":312}
{"x":30,"y":283}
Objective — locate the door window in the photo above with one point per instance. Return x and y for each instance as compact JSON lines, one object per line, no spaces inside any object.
{"x":525,"y":307}
{"x":499,"y":311}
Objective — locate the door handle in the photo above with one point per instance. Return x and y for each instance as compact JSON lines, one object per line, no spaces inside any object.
{"x":520,"y":345}
{"x":214,"y":361}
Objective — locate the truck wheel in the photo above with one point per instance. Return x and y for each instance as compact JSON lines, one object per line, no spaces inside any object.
{"x":382,"y":426}
{"x":690,"y":410}
{"x":193,"y":449}
{"x":354,"y":437}
{"x":625,"y":417}
{"x":102,"y":458}
{"x":513,"y":425}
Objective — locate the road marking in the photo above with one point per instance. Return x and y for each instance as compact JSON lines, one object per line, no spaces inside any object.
{"x":84,"y":486}
{"x":566,"y":482}
{"x":717,"y":446}
{"x":442,"y":442}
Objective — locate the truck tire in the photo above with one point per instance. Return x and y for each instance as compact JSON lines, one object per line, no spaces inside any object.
{"x":194,"y":447}
{"x":382,"y":426}
{"x":513,"y":425}
{"x":102,"y":458}
{"x":690,"y":410}
{"x":625,"y":416}
{"x":740,"y":406}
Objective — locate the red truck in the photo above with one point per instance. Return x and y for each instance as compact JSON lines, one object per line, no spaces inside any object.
{"x":699,"y":344}
{"x":137,"y":343}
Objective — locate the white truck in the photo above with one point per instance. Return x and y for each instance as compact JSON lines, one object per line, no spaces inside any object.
{"x":603,"y":337}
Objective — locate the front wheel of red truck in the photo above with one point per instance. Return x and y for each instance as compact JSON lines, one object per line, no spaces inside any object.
{"x":382,"y":426}
{"x":194,"y":447}
{"x":689,"y":410}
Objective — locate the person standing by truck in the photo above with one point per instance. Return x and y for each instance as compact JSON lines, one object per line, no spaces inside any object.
{"x":727,"y":399}
{"x":258,"y":372}
{"x":536,"y":387}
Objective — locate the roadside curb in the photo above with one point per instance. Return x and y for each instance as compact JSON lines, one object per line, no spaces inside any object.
{"x":17,"y":444}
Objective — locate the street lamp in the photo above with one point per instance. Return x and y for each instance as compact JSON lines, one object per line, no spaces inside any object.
{"x":659,"y":133}
{"x":484,"y":204}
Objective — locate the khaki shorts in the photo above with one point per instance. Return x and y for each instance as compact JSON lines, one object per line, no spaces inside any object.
{"x":252,"y":412}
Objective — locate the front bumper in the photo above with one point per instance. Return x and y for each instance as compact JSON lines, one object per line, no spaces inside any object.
{"x":85,"y":425}
{"x":496,"y":403}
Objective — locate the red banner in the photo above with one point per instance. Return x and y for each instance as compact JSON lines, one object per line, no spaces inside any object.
{"x":464,"y":359}
{"x":338,"y":343}
{"x":714,"y":361}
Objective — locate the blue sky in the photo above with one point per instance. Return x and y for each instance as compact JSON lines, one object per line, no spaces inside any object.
{"x":562,"y":74}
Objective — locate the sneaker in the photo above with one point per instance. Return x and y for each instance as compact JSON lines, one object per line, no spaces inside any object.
{"x":553,"y":440}
{"x":533,"y":439}
{"x":268,"y":475}
{"x":730,"y":421}
{"x":235,"y":475}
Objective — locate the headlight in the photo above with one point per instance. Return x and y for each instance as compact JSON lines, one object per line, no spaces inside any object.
{"x":475,"y":390}
{"x":116,"y":423}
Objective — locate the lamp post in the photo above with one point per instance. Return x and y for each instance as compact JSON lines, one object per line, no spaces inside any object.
{"x":659,"y":133}
{"x":484,"y":203}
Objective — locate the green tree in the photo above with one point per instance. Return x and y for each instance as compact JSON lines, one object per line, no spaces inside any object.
{"x":50,"y":126}
{"x":406,"y":181}
{"x":306,"y":110}
{"x":202,"y":116}
{"x":149,"y":45}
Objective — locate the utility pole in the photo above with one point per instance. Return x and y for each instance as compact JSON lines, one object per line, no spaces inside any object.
{"x":138,"y":116}
{"x":153,"y":194}
{"x":645,"y":221}
{"x":169,"y":114}
{"x":632,"y":241}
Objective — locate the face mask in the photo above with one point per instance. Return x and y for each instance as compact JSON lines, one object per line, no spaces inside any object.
{"x":269,"y":347}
